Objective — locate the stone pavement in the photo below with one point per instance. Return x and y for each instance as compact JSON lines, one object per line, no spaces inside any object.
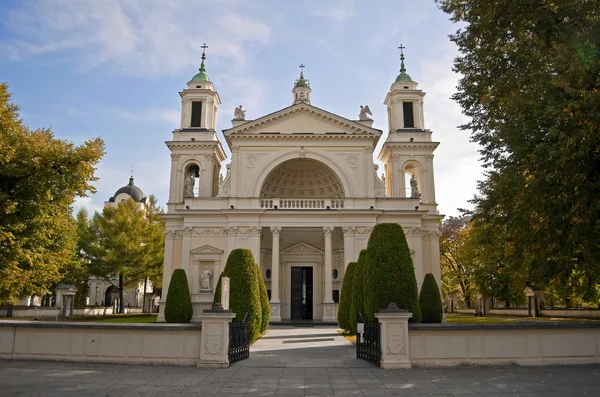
{"x":293,"y":362}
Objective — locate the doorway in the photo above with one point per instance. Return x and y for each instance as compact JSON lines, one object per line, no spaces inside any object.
{"x":302,"y":293}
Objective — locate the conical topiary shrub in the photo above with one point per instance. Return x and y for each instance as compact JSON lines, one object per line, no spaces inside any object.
{"x":265,"y":305}
{"x":178,"y":308}
{"x":343,"y":314}
{"x":244,"y":289}
{"x":390,"y":272}
{"x":430,"y":301}
{"x":358,"y":290}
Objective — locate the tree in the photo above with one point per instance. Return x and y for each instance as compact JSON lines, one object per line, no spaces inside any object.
{"x":178,"y":308}
{"x":245,"y":290}
{"x":344,"y":316}
{"x":531,"y":86}
{"x":40,"y":176}
{"x":457,"y":258}
{"x":358,"y":290}
{"x":390,"y":274}
{"x":126,"y":241}
{"x":265,"y":305}
{"x":430,"y":301}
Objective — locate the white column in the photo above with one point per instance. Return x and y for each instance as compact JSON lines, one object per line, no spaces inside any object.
{"x":167,"y":270}
{"x":275,"y":302}
{"x":348,"y":246}
{"x":206,"y":177}
{"x":185,"y":254}
{"x":328,"y":305}
{"x":370,"y":169}
{"x":429,"y":183}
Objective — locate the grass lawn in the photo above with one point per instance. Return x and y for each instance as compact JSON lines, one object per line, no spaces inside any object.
{"x":127,"y":319}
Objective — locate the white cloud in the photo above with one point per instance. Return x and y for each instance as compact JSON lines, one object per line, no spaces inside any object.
{"x":170,"y":116}
{"x":340,"y":11}
{"x":144,"y":38}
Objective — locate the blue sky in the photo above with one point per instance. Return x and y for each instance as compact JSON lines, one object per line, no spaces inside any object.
{"x":114,"y":68}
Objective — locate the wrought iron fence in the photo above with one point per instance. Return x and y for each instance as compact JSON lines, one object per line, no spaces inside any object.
{"x":368,"y":341}
{"x":239,"y":340}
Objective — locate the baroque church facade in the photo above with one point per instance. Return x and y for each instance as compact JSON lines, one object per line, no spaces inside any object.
{"x":302,"y":192}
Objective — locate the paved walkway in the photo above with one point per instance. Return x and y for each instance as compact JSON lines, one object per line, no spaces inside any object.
{"x":293,"y":362}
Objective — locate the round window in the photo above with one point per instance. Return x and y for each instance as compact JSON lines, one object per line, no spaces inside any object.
{"x":268,"y":274}
{"x":335,"y":274}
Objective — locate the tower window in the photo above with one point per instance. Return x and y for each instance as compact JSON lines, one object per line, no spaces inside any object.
{"x":196,"y":114}
{"x":409,"y":120}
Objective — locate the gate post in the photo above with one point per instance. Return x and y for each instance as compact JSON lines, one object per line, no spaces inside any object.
{"x":214,"y":339}
{"x":395,"y":344}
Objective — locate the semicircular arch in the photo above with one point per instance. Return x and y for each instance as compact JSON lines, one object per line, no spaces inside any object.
{"x":280,"y":160}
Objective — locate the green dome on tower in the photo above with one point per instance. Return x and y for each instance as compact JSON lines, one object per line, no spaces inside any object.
{"x":403,"y":77}
{"x":201,"y":76}
{"x":302,"y":82}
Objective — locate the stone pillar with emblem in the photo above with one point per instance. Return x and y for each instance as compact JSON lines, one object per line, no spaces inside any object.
{"x":393,"y":322}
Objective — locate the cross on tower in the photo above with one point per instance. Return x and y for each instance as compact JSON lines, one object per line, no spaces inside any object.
{"x":401,"y":48}
{"x":204,"y":47}
{"x":132,"y":167}
{"x":302,"y":67}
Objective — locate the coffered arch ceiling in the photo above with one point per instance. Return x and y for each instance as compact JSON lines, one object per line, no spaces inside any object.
{"x":302,"y":178}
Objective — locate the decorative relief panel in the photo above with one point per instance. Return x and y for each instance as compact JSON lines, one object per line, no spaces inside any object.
{"x":209,"y":231}
{"x":353,"y":161}
{"x":214,"y":340}
{"x":395,"y":336}
{"x":251,"y":160}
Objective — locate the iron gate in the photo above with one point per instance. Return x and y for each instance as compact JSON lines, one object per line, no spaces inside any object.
{"x":368,"y":341}
{"x":239,"y":340}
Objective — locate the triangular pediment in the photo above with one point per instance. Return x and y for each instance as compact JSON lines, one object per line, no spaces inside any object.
{"x":302,"y":248}
{"x":302,"y":119}
{"x":206,"y":249}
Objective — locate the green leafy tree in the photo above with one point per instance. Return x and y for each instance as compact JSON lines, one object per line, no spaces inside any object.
{"x":531,"y":88}
{"x":40,"y":176}
{"x":457,"y":258}
{"x":430,"y":301}
{"x":343,"y":315}
{"x":358,"y":290}
{"x":178,"y":308}
{"x":125,"y":241}
{"x":244,"y":289}
{"x":390,"y":274}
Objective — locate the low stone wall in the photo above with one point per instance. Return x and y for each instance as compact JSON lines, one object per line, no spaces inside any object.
{"x":535,"y":343}
{"x":571,"y":313}
{"x":509,"y":312}
{"x":30,"y":311}
{"x":176,"y":344}
{"x":465,"y":311}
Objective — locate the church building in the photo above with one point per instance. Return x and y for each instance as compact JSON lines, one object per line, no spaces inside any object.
{"x":302,"y":192}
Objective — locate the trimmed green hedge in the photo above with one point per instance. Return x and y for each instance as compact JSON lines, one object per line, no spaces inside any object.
{"x":390,"y":273}
{"x":430,"y":301}
{"x":343,"y":315}
{"x":244,"y":289}
{"x":178,"y":308}
{"x":265,"y":306}
{"x":358,"y":290}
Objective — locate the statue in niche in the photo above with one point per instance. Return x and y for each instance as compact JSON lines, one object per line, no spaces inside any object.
{"x":239,"y":113}
{"x":364,"y":111}
{"x":189,"y":183}
{"x":414,"y":187}
{"x":205,"y":279}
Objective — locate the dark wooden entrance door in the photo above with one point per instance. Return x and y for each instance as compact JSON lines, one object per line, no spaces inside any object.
{"x":302,"y":293}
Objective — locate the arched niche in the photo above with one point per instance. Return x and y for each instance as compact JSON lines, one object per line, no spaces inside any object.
{"x":412,"y":168}
{"x":302,"y":178}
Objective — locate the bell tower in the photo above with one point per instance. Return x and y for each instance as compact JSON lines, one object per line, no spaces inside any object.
{"x":407,"y":153}
{"x":200,"y":101}
{"x":196,"y":153}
